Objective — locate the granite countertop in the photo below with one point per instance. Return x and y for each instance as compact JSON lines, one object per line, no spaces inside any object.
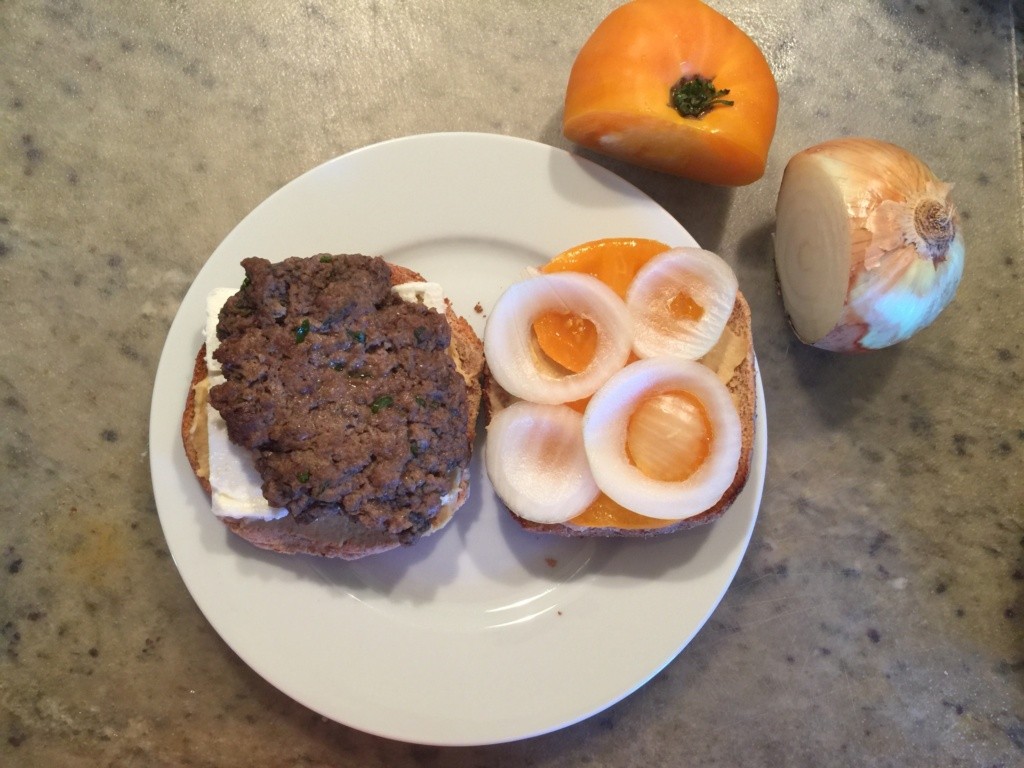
{"x":878,"y":616}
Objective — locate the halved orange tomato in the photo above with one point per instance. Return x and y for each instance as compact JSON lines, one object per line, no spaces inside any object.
{"x":674,"y":86}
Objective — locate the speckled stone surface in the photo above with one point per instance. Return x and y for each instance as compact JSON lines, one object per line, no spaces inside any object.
{"x":878,"y":617}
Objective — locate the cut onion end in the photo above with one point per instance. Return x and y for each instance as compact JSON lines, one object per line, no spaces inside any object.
{"x":626,"y":396}
{"x":516,"y":360}
{"x":680,"y":302}
{"x":537,"y":464}
{"x":812,"y":248}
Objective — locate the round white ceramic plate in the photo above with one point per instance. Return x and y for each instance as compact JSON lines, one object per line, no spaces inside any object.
{"x":482,"y":633}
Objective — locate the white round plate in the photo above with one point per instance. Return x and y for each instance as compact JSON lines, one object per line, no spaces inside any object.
{"x":482,"y":633}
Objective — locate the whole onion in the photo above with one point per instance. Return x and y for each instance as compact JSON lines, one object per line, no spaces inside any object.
{"x":868,"y":244}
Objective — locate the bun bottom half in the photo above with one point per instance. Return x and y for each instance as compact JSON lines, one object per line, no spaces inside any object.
{"x":742,"y":387}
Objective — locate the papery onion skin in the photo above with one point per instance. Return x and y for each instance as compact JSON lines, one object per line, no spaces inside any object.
{"x":605,"y":426}
{"x":509,"y":345}
{"x":536,"y":462}
{"x":869,"y":248}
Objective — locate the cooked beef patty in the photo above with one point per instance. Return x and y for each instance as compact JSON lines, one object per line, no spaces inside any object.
{"x":346,"y":394}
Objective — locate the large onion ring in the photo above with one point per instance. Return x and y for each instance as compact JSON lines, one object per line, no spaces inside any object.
{"x":698,"y":274}
{"x":509,"y":345}
{"x":536,"y":462}
{"x":605,"y":425}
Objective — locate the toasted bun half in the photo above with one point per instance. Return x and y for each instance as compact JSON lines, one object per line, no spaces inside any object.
{"x":337,"y":535}
{"x":743,"y":388}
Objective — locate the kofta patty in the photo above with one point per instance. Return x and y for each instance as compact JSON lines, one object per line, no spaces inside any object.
{"x":345,"y":393}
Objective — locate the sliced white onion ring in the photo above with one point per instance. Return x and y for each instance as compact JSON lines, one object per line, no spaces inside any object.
{"x":605,"y":425}
{"x":692,"y":272}
{"x":535,"y":459}
{"x":509,"y":344}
